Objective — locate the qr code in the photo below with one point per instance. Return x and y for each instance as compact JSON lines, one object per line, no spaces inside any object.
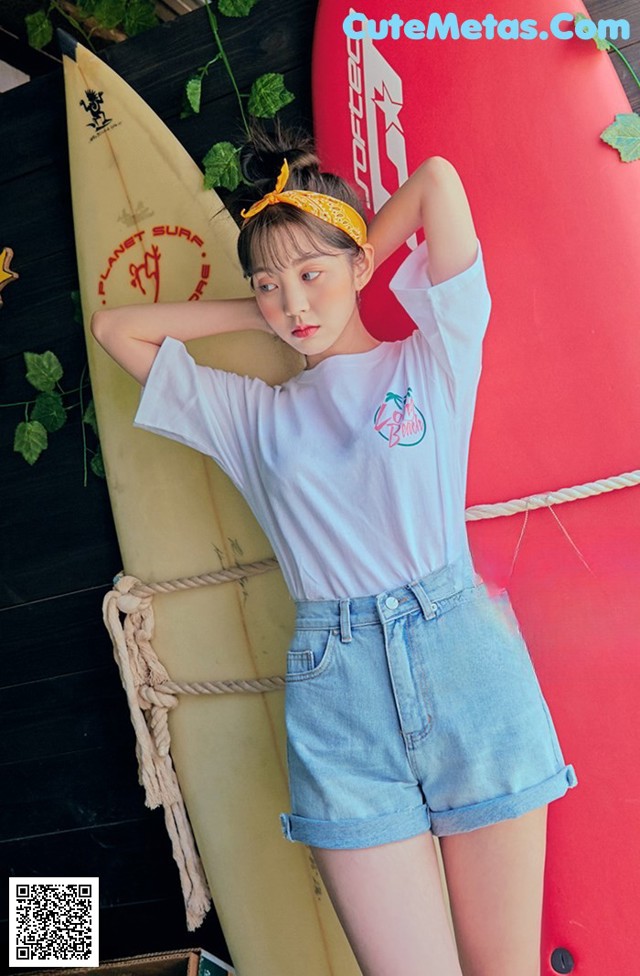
{"x":53,"y":921}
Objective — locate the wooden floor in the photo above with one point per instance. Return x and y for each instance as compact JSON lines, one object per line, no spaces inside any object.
{"x":71,"y":799}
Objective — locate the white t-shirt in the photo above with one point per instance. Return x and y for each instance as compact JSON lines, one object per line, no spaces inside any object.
{"x":356,"y":468}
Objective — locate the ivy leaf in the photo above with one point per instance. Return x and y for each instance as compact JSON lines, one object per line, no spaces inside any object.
{"x":97,"y":464}
{"x":601,"y":42}
{"x":49,"y":410}
{"x":236,"y":8}
{"x":624,"y":135}
{"x":268,"y":95}
{"x":87,"y":7}
{"x":193,"y":91}
{"x":140,"y":16}
{"x":30,"y":440}
{"x":221,"y":166}
{"x":43,"y":370}
{"x":39,"y":29}
{"x":90,"y":417}
{"x":109,"y":13}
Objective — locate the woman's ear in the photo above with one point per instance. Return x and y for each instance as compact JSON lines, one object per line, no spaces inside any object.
{"x":363,"y":266}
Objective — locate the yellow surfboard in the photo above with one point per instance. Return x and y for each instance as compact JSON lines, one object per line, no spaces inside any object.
{"x":145,"y":232}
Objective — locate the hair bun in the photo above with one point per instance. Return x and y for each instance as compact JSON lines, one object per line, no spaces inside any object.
{"x":262,"y":156}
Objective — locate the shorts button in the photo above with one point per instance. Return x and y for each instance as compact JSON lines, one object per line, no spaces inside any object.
{"x":391,"y":602}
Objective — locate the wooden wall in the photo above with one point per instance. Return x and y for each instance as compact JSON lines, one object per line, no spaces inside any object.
{"x":71,"y":803}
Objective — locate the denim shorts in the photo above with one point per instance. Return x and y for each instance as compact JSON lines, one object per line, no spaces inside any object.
{"x":412,"y":710}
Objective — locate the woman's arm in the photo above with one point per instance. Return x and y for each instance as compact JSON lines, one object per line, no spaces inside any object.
{"x":132,"y":334}
{"x":433,"y":197}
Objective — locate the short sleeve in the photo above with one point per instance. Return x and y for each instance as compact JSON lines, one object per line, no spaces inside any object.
{"x":210,"y":410}
{"x":452,"y":315}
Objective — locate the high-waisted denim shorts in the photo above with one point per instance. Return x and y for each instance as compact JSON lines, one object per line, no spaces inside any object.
{"x":412,"y":710}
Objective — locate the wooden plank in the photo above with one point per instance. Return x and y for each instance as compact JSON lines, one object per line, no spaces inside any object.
{"x":132,"y":857}
{"x":62,"y":715}
{"x":73,"y":790}
{"x":49,"y":639}
{"x":60,"y":536}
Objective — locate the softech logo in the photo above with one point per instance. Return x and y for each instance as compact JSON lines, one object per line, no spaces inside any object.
{"x":379,"y":152}
{"x":403,"y":426}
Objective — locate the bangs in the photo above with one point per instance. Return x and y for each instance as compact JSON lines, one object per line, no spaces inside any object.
{"x":279,"y":235}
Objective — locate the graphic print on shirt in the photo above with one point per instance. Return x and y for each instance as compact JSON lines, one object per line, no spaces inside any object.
{"x":399,"y":420}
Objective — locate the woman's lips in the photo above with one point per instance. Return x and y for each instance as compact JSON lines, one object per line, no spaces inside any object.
{"x":308,"y":330}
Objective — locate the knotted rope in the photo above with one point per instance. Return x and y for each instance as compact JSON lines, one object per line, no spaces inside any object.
{"x":151,"y":693}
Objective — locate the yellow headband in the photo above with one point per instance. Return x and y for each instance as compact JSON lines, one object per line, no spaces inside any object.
{"x":321,"y":205}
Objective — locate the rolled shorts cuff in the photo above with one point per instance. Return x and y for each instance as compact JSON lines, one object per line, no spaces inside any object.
{"x":462,"y":819}
{"x":351,"y":834}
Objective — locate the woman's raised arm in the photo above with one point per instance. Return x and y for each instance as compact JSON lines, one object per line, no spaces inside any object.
{"x":132,"y":334}
{"x":433,"y":197}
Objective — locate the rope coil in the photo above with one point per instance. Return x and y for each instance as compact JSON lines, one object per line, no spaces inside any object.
{"x":152,"y":694}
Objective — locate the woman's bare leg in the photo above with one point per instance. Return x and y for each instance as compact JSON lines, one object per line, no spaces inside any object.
{"x":390,"y":903}
{"x":495,"y":882}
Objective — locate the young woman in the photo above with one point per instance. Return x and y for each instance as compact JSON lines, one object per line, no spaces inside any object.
{"x":412,"y":706}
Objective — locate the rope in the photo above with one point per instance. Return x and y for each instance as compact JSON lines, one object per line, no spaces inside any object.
{"x":152,"y":694}
{"x":140,"y":668}
{"x":553,"y":497}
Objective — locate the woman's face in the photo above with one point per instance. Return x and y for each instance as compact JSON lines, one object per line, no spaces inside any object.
{"x":311,"y":303}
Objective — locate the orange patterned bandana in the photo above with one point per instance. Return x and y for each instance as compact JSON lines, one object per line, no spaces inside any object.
{"x":321,"y":205}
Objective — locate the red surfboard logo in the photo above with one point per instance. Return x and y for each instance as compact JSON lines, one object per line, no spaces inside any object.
{"x":378,"y":147}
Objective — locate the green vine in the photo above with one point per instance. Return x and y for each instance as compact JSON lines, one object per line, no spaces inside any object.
{"x":624,"y":133}
{"x":48,"y":410}
{"x":130,"y":16}
{"x":267,"y":96}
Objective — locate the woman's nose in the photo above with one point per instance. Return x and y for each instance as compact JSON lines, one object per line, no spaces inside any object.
{"x":295,"y":301}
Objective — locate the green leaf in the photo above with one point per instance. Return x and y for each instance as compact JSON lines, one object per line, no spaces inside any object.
{"x":90,"y":417}
{"x":97,"y":464}
{"x":221,"y":166}
{"x":601,"y":42}
{"x":268,"y":95}
{"x":39,"y":29}
{"x":49,"y":410}
{"x":109,"y":13}
{"x":193,"y":91}
{"x":624,"y":135}
{"x":30,"y":440}
{"x":236,"y":8}
{"x":140,"y":16}
{"x":43,"y":370}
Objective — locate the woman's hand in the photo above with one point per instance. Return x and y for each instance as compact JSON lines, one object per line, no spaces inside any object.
{"x":433,"y":197}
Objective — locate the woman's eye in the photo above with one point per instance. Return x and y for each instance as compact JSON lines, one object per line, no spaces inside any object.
{"x":310,"y":273}
{"x":265,"y":287}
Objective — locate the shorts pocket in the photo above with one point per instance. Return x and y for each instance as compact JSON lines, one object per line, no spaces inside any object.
{"x":310,"y":653}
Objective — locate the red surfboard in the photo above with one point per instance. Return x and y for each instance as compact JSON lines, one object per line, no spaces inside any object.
{"x":558,"y":404}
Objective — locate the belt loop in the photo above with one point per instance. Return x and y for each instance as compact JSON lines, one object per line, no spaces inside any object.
{"x":345,"y":622}
{"x":427,"y":607}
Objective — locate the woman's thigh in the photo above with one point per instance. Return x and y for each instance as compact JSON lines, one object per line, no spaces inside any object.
{"x":495,"y":878}
{"x":391,"y":906}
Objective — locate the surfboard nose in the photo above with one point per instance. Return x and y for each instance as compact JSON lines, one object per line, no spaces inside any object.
{"x":66,"y":43}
